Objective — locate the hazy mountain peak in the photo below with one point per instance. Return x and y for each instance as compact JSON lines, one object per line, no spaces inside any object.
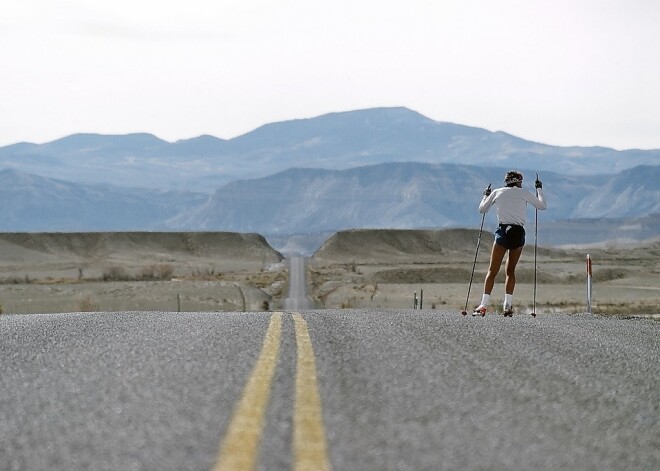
{"x":100,"y":144}
{"x":101,"y":139}
{"x":207,"y":138}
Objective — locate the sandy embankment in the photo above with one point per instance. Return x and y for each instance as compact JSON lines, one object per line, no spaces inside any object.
{"x":198,"y":271}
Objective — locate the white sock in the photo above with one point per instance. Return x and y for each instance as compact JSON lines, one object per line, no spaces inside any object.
{"x":485,"y":299}
{"x":508,"y":300}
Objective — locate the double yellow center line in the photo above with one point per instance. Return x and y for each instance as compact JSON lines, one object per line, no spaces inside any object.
{"x":240,"y":447}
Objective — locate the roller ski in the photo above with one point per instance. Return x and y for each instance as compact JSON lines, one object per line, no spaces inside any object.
{"x":479,"y":311}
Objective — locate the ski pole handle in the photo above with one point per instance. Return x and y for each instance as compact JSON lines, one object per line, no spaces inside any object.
{"x":537,"y":183}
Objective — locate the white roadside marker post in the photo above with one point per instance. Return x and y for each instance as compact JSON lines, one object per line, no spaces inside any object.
{"x":589,"y":285}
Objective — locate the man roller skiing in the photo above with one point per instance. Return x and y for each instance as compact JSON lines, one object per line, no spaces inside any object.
{"x":511,"y":204}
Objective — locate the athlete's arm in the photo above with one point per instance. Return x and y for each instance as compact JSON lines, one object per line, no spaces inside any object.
{"x":486,"y":202}
{"x":538,"y":201}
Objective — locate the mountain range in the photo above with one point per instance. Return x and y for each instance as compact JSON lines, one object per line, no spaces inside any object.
{"x":31,"y":203}
{"x":380,"y":168}
{"x":335,"y":141}
{"x":303,"y":201}
{"x":408,"y":195}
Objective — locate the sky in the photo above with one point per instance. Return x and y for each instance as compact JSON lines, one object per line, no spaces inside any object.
{"x":560,"y":72}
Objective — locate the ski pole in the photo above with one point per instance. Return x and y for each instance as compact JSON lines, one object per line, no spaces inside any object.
{"x":536,"y":233}
{"x":476,"y":252}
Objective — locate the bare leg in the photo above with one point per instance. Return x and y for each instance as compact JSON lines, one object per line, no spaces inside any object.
{"x":512,"y":261}
{"x":496,"y":257}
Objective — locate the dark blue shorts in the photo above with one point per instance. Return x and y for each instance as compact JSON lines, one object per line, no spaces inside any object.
{"x":510,"y":236}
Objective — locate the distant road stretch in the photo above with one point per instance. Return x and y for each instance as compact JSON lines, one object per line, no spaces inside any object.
{"x":297,"y":298}
{"x":342,"y":390}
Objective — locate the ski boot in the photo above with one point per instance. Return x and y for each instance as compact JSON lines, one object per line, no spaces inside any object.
{"x":479,"y":311}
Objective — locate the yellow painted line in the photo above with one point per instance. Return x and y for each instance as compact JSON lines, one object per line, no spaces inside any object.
{"x":309,"y":443}
{"x":240,"y":448}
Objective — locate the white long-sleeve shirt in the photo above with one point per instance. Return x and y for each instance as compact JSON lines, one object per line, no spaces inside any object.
{"x":511,"y":203}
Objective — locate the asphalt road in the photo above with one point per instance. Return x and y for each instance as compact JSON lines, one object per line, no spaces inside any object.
{"x":297,"y":297}
{"x":347,"y":390}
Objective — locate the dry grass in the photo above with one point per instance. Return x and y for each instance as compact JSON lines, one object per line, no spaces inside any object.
{"x":87,"y":304}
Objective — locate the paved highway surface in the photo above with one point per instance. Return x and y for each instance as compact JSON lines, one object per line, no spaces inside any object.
{"x":342,"y":390}
{"x":297,"y":297}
